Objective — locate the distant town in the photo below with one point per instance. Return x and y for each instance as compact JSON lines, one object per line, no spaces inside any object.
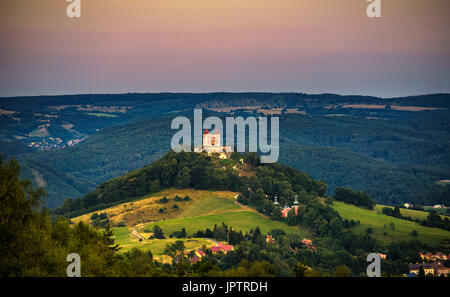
{"x":51,"y":143}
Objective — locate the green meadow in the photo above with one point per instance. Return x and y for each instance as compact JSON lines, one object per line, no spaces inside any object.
{"x":242,"y":220}
{"x":385,"y":232}
{"x":414,"y":214}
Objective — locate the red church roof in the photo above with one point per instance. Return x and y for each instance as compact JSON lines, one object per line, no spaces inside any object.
{"x":195,"y":259}
{"x":206,"y":132}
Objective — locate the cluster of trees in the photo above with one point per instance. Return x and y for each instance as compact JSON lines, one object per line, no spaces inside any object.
{"x":158,"y":233}
{"x":358,"y":198}
{"x":435,"y":220}
{"x":32,"y":246}
{"x":179,"y":234}
{"x":226,"y":233}
{"x":100,"y":220}
{"x":394,"y":212}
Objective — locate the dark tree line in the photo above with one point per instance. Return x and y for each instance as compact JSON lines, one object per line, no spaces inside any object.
{"x":358,"y":198}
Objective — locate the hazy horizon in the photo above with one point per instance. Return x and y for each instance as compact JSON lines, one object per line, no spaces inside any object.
{"x":226,"y":92}
{"x":202,"y":46}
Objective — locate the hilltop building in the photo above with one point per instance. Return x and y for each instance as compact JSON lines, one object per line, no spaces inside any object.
{"x":212,"y":144}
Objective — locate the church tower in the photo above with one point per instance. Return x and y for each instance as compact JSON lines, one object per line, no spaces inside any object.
{"x":211,"y":141}
{"x":275,"y":201}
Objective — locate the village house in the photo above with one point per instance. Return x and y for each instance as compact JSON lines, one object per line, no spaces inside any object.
{"x":382,"y":256}
{"x":307,"y":242}
{"x":436,"y":269}
{"x":221,"y":247}
{"x":269,"y":239}
{"x":199,"y":254}
{"x":434,"y":257}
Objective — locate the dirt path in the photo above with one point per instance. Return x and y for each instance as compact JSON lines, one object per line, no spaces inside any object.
{"x":136,"y":234}
{"x":248,"y":208}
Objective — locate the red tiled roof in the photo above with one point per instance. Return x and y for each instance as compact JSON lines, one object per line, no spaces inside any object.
{"x":225,"y":247}
{"x":215,"y":249}
{"x":306,"y":241}
{"x":221,"y":247}
{"x":201,"y":253}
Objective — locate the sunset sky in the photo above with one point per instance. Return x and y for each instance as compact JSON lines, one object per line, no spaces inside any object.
{"x":316,"y":46}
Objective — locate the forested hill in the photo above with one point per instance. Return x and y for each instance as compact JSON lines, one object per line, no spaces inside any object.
{"x":241,"y":173}
{"x":358,"y":142}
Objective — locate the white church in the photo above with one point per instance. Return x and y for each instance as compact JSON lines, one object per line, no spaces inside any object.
{"x":212,"y":144}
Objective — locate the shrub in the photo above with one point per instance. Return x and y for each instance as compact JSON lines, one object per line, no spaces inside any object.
{"x":163,"y":200}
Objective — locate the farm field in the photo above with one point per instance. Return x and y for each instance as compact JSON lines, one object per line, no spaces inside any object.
{"x":382,"y":230}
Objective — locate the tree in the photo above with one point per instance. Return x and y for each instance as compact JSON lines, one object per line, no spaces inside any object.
{"x":183,"y":179}
{"x":341,"y":271}
{"x":421,"y":272}
{"x":108,"y":237}
{"x":22,"y":230}
{"x":158,"y":232}
{"x":155,"y":186}
{"x":300,"y":269}
{"x":31,"y":246}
